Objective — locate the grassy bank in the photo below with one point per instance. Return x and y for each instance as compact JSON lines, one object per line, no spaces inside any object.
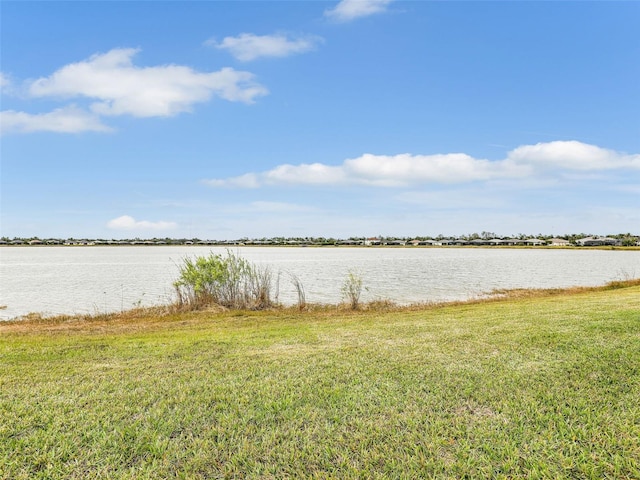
{"x":543,"y":385}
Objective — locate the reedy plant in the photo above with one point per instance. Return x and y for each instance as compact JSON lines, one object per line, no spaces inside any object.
{"x":352,"y":289}
{"x":302,"y":298}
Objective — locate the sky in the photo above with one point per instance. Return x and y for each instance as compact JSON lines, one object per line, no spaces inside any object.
{"x":353,"y":118}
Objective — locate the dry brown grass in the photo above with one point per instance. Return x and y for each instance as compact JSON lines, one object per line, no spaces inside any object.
{"x":547,"y":292}
{"x":145,"y":318}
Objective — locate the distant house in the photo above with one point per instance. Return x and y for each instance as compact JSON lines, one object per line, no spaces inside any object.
{"x":535,"y":242}
{"x":430,"y":243}
{"x":513,"y":241}
{"x":479,"y":242}
{"x":559,"y":242}
{"x":501,"y":242}
{"x":346,"y":242}
{"x":372,"y":241}
{"x":598,"y":241}
{"x":455,"y":241}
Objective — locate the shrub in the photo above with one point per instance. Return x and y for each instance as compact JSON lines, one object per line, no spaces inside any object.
{"x":227,"y":280}
{"x":352,"y":289}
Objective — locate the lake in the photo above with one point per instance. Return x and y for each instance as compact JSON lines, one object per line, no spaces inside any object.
{"x":97,"y":279}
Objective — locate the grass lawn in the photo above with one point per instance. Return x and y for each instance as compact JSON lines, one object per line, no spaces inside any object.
{"x":542,"y":386}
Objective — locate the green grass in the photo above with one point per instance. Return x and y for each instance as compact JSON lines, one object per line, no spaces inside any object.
{"x":542,"y":386}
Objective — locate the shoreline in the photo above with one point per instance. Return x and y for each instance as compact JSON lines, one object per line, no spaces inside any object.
{"x":373,"y":307}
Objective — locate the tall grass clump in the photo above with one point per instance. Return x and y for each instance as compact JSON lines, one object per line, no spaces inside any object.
{"x":226,"y":280}
{"x":352,"y":289}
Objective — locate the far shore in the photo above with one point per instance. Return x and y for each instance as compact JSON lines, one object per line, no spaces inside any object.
{"x":253,"y":245}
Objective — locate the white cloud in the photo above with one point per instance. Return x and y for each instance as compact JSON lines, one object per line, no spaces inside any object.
{"x":572,"y":155}
{"x":125,"y":222}
{"x":306,"y":174}
{"x":63,"y":120}
{"x":454,"y":168}
{"x":348,"y":10}
{"x":249,"y":180}
{"x":161,"y":91}
{"x":379,"y":170}
{"x":405,"y":169}
{"x":247,"y":46}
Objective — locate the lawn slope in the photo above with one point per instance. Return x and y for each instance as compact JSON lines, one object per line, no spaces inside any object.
{"x":538,"y":387}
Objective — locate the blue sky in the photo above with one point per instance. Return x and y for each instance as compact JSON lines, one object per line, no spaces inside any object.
{"x":226,"y":119}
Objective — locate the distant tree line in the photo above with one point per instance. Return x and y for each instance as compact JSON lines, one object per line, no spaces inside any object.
{"x":622,"y":239}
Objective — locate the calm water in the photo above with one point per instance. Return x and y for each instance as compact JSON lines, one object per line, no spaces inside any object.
{"x":54,"y":280}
